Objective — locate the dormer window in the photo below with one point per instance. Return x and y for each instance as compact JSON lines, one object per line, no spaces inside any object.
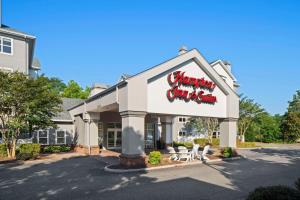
{"x":6,"y":45}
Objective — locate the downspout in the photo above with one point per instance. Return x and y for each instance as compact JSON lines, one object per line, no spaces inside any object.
{"x":117,"y":94}
{"x":89,"y":122}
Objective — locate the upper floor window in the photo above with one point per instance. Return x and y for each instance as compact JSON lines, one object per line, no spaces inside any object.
{"x":182,"y":119}
{"x":6,"y":46}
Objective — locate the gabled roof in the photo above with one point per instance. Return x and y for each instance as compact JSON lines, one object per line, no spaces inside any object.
{"x":9,"y":30}
{"x":67,"y":103}
{"x":193,"y":54}
{"x":13,"y":32}
{"x":224,"y":67}
{"x":196,"y":56}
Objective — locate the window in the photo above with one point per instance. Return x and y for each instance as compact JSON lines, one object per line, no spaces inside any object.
{"x":149,"y":135}
{"x":100,"y":134}
{"x":182,"y":119}
{"x":60,"y":137}
{"x":6,"y":45}
{"x":43,"y":137}
{"x":114,"y":125}
{"x":182,"y":133}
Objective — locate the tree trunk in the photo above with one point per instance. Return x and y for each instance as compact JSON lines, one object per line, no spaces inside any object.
{"x":242,"y":138}
{"x":8,"y":150}
{"x":13,"y":148}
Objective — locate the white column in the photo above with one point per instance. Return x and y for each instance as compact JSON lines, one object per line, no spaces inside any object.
{"x":169,"y":136}
{"x":228,"y":129}
{"x":133,"y":133}
{"x":158,"y":129}
{"x":91,"y":132}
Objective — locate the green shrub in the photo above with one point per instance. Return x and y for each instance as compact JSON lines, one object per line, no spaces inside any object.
{"x":203,"y":141}
{"x":3,"y":150}
{"x":185,"y":144}
{"x":154,"y":157}
{"x":227,"y":152}
{"x":28,"y":151}
{"x":24,"y":156}
{"x":274,"y":193}
{"x":65,"y":148}
{"x":56,"y":149}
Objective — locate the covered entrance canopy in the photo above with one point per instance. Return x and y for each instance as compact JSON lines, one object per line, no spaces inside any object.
{"x":186,"y":85}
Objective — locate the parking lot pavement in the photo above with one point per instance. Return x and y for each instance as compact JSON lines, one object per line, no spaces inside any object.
{"x":84,"y":178}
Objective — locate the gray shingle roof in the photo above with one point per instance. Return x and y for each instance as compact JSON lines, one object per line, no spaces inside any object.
{"x":67,"y":103}
{"x":5,"y":27}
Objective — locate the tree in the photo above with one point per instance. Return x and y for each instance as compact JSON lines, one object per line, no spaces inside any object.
{"x":290,"y":126}
{"x":25,"y":104}
{"x":73,"y":90}
{"x":268,"y":128}
{"x":208,"y":124}
{"x":57,"y":85}
{"x":249,"y":111}
{"x":211,"y":124}
{"x":194,"y":123}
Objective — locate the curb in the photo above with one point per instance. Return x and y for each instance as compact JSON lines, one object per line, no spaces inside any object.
{"x":107,"y":169}
{"x":250,"y":148}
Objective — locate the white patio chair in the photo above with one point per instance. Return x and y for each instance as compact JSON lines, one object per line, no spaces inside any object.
{"x":195,"y":151}
{"x":184,"y":154}
{"x":204,"y":153}
{"x":173,"y":153}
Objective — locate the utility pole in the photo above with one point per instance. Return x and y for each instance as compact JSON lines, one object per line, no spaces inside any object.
{"x":0,"y":13}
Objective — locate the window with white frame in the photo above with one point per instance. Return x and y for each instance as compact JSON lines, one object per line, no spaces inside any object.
{"x":6,"y":45}
{"x":60,"y":137}
{"x":182,"y":133}
{"x":182,"y":119}
{"x":149,"y":135}
{"x":43,"y":136}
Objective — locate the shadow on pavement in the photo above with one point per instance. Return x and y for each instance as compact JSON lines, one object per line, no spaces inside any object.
{"x":84,"y":178}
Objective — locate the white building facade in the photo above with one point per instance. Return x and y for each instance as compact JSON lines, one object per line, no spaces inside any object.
{"x":142,"y":111}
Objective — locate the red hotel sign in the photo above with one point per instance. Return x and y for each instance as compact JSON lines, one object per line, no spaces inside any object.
{"x":176,"y":79}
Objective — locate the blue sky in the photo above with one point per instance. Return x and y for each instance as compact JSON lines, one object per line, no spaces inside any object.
{"x":96,"y":41}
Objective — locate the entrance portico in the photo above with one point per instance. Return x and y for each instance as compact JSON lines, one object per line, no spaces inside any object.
{"x":140,"y":109}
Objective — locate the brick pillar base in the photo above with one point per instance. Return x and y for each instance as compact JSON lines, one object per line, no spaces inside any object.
{"x":132,"y":161}
{"x":95,"y":150}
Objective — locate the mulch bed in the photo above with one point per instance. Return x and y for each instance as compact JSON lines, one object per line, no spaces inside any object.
{"x":7,"y":160}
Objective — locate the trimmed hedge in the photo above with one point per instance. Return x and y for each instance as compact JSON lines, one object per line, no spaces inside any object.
{"x":185,"y":144}
{"x":274,"y":193}
{"x":3,"y":151}
{"x":203,"y":141}
{"x":56,"y":149}
{"x":28,"y":151}
{"x":154,"y":157}
{"x":240,"y":144}
{"x":200,"y":141}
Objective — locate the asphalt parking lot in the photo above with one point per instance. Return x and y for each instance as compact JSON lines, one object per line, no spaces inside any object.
{"x":84,"y":178}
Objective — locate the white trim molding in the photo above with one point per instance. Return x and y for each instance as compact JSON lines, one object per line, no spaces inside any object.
{"x":65,"y":136}
{"x":38,"y":136}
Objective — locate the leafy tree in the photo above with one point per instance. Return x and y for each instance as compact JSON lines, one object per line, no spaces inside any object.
{"x":194,"y":123}
{"x":57,"y":85}
{"x":25,"y":104}
{"x":294,"y":105}
{"x":249,"y":111}
{"x":201,"y":124}
{"x":268,"y":127}
{"x":291,"y":120}
{"x":73,"y":90}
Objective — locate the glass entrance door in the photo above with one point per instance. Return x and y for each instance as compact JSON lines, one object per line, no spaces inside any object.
{"x":114,"y":138}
